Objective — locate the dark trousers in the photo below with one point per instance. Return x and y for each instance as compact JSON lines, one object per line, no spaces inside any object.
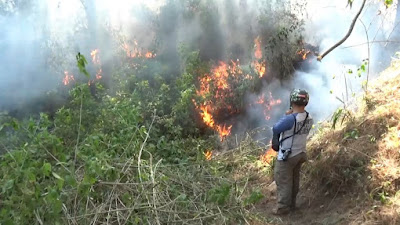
{"x":287,"y":179}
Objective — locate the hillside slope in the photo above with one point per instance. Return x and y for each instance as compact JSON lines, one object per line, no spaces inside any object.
{"x":353,"y":172}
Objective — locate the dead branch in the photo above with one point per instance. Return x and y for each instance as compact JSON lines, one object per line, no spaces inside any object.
{"x":320,"y":57}
{"x":143,"y":144}
{"x":371,"y":42}
{"x":369,"y":54}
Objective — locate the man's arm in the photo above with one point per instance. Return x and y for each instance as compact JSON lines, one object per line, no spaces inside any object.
{"x":284,"y":124}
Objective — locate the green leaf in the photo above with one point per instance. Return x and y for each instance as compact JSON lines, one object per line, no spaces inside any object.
{"x":81,"y":63}
{"x":350,"y":3}
{"x":31,"y":176}
{"x":57,"y":176}
{"x":388,"y":3}
{"x":46,"y":169}
{"x":363,"y":68}
{"x":255,"y":197}
{"x":182,"y":197}
{"x":60,"y":184}
{"x":335,"y":117}
{"x":15,"y":124}
{"x":27,"y":191}
{"x":220,"y":195}
{"x":8,"y":185}
{"x":126,"y":198}
{"x":70,"y":180}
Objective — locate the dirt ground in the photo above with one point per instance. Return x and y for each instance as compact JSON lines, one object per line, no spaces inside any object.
{"x":329,"y":209}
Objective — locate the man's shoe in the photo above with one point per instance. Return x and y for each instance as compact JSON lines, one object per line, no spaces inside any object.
{"x":281,"y":211}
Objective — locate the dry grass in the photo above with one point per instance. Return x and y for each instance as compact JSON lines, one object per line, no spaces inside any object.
{"x":353,"y":173}
{"x":361,"y":158}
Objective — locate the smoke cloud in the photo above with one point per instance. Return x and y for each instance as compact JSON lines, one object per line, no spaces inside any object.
{"x":330,"y":79}
{"x":40,"y":39}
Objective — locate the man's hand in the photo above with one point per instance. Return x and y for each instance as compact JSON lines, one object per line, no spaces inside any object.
{"x":275,"y":142}
{"x":275,"y":147}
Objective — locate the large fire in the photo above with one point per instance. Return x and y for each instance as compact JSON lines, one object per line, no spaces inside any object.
{"x":217,"y":90}
{"x":216,"y":84}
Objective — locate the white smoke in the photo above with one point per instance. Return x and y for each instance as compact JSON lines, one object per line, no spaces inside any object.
{"x":62,"y":26}
{"x":328,"y":23}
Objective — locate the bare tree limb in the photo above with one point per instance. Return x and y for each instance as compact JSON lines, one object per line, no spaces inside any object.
{"x":369,"y":55}
{"x":320,"y":57}
{"x":371,"y":42}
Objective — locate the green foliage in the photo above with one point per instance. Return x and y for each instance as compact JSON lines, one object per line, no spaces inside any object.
{"x":353,"y":134}
{"x":363,"y":68}
{"x":388,"y":3}
{"x":369,"y":101}
{"x":284,"y":43}
{"x":220,"y":195}
{"x":41,"y":179}
{"x":134,"y":145}
{"x":341,"y":115}
{"x":255,"y":197}
{"x":350,"y":3}
{"x":81,"y":63}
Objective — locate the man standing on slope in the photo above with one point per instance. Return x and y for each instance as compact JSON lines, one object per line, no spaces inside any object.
{"x":289,"y":139}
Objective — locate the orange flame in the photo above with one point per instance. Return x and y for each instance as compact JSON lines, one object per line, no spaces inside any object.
{"x":224,"y":131}
{"x":95,"y":57}
{"x":150,"y":55}
{"x":304,"y":53}
{"x":98,"y":74}
{"x":207,"y":117}
{"x":267,"y":105}
{"x":96,"y":61}
{"x":208,"y":155}
{"x":217,"y":81}
{"x":221,"y":75}
{"x":131,"y":53}
{"x":217,"y":88}
{"x":136,"y":51}
{"x":68,"y":78}
{"x":268,"y":156}
{"x":205,"y":113}
{"x":259,"y":67}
